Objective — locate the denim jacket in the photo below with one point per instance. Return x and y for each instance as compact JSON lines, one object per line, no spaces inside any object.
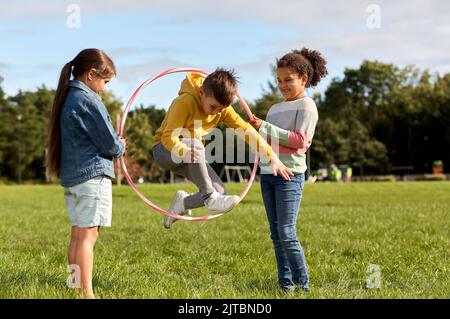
{"x":88,"y":139}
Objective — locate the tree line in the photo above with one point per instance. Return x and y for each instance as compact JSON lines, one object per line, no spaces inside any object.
{"x":376,"y":118}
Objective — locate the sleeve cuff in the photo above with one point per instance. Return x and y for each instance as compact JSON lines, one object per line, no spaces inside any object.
{"x":264,"y":127}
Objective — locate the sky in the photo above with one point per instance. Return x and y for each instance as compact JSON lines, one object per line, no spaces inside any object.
{"x":146,"y":37}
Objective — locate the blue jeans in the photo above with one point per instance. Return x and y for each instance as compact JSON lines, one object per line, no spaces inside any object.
{"x":282,"y":201}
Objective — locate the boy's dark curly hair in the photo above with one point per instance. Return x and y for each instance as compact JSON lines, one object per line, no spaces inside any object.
{"x":306,"y":61}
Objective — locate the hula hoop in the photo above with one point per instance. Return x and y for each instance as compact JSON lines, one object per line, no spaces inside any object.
{"x":124,"y":167}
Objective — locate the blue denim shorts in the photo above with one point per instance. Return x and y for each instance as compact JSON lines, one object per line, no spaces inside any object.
{"x":89,"y":204}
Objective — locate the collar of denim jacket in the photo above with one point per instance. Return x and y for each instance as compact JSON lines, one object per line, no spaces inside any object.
{"x":82,"y":86}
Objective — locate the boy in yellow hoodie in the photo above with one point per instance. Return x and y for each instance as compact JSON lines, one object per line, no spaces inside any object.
{"x":206,"y":101}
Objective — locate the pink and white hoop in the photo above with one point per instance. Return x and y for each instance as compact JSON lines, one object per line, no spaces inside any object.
{"x":124,"y":167}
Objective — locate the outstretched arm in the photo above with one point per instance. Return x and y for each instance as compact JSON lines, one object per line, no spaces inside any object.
{"x":299,"y":139}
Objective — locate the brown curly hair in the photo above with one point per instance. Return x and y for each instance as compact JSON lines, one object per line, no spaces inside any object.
{"x":306,"y":61}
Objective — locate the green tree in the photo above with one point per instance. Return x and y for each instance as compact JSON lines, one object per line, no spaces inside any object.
{"x":6,"y":131}
{"x":24,"y":136}
{"x":441,"y":124}
{"x":270,"y":96}
{"x":154,"y":115}
{"x":393,"y":104}
{"x":113,"y":105}
{"x":139,"y":133}
{"x":330,"y":145}
{"x":43,"y":102}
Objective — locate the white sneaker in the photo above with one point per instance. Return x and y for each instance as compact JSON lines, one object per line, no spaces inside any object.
{"x":177,"y":207}
{"x":218,"y":203}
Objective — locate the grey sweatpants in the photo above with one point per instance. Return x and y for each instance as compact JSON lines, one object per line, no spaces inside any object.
{"x":201,"y":174}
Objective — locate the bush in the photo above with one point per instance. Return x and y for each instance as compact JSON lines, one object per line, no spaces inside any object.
{"x":385,"y":178}
{"x":4,"y":181}
{"x":375,"y":178}
{"x":433,"y":177}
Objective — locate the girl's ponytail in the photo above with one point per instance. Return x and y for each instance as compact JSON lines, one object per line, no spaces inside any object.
{"x":53,"y":158}
{"x":318,"y":64}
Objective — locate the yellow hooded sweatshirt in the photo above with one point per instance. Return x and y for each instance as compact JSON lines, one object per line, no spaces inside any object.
{"x":186,"y":108}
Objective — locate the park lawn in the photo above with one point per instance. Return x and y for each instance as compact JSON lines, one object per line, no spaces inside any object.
{"x":345,"y":229}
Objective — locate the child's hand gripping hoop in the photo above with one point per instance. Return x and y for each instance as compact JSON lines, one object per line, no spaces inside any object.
{"x":121,"y":132}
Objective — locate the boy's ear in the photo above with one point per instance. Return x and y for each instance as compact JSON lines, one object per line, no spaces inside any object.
{"x":202,"y":92}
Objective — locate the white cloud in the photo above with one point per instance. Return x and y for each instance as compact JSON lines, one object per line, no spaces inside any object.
{"x":289,"y":12}
{"x":122,"y":52}
{"x":130,"y":76}
{"x":340,"y":23}
{"x":293,"y":13}
{"x":412,"y":32}
{"x":132,"y":71}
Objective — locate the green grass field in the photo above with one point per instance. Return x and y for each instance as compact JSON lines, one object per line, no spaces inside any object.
{"x":401,"y":227}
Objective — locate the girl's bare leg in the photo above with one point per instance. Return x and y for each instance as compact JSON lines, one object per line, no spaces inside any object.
{"x":84,"y":257}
